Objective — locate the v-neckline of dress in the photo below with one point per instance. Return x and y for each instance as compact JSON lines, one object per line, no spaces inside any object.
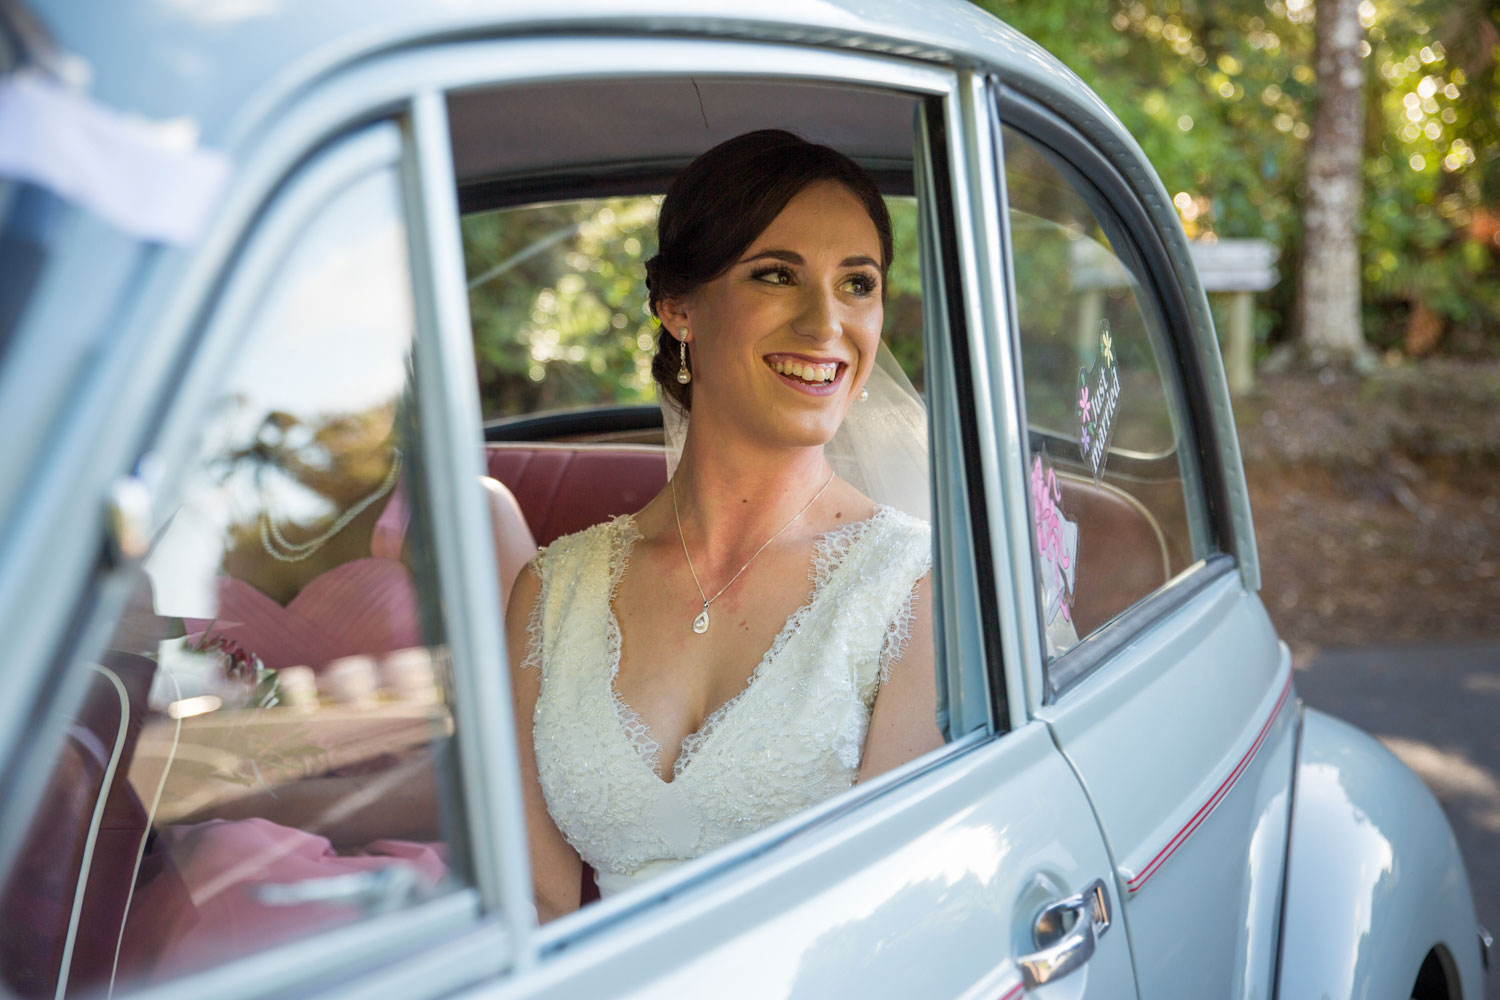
{"x":635,"y":728}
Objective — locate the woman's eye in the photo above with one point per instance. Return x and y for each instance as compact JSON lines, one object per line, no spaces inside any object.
{"x":773,"y":275}
{"x":861,"y":284}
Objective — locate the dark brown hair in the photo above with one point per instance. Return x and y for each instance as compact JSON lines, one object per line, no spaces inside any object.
{"x":726,"y":198}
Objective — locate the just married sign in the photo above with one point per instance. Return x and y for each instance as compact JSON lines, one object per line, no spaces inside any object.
{"x":1098,"y":399}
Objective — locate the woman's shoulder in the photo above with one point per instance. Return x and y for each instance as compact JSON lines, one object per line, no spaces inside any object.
{"x":891,"y":527}
{"x":596,"y":544}
{"x":888,"y":544}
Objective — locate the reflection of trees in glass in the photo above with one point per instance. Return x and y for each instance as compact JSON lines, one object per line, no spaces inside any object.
{"x":304,"y":472}
{"x":558,"y":300}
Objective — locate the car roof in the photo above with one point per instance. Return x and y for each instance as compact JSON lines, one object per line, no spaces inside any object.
{"x":221,"y":65}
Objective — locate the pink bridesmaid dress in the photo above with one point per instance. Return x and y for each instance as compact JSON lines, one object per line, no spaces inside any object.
{"x":365,"y":606}
{"x":207,"y":904}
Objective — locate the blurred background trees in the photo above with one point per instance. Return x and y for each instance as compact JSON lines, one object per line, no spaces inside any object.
{"x":1221,"y":94}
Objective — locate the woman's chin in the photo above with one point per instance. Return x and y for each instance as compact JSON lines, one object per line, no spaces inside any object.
{"x":783,"y":427}
{"x":812,"y":433}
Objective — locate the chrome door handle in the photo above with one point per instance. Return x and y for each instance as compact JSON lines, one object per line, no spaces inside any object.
{"x":1063,"y":944}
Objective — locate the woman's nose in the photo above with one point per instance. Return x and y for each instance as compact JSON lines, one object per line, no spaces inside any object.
{"x":819,"y":315}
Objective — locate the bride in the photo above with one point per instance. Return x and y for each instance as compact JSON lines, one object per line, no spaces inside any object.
{"x":758,"y":637}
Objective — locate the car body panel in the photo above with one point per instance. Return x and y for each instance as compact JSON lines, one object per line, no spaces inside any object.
{"x":1179,"y":791}
{"x":1374,"y":877}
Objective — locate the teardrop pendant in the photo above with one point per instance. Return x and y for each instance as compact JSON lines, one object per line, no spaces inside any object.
{"x":700,"y":624}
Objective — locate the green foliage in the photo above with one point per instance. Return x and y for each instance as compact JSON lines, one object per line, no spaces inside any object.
{"x":903,"y":300}
{"x":1432,"y":165}
{"x":558,"y":299}
{"x":1220,"y":95}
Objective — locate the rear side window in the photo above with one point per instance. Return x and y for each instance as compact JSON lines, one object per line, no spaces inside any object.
{"x":564,"y":342}
{"x":1112,"y":464}
{"x":558,"y":306}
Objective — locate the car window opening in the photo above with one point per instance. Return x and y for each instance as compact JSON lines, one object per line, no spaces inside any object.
{"x":565,"y":341}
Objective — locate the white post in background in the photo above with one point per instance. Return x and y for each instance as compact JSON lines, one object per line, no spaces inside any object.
{"x":1242,"y":268}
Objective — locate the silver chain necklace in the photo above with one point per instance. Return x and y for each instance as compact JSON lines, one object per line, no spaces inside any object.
{"x":298,"y":551}
{"x":700,"y":624}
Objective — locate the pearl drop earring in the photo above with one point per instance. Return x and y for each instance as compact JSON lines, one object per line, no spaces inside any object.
{"x":683,"y":375}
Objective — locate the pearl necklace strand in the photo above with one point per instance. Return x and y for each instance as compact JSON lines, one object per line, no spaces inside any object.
{"x":700,"y":624}
{"x":298,"y":551}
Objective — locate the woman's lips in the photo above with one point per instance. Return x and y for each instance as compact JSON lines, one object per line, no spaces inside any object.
{"x":813,"y":376}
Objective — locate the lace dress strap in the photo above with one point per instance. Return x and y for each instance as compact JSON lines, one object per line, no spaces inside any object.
{"x":578,"y":574}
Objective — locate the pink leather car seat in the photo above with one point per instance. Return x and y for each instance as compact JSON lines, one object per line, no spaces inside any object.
{"x":1122,"y":553}
{"x":563,"y":488}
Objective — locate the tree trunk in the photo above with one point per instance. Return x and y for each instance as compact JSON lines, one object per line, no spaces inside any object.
{"x":1329,"y":317}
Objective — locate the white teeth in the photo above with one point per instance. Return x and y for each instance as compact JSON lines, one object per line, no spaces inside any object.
{"x":806,"y":371}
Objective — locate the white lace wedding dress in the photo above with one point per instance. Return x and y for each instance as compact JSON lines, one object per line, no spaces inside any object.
{"x":791,"y":738}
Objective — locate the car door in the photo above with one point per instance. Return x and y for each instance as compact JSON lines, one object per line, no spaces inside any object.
{"x":1164,"y":683}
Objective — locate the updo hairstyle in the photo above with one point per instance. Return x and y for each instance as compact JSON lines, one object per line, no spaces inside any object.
{"x":721,"y":202}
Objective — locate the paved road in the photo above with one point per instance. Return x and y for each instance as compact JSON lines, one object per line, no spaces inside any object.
{"x":1438,"y":708}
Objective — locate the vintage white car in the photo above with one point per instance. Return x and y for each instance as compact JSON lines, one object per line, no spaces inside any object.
{"x":312,"y":316}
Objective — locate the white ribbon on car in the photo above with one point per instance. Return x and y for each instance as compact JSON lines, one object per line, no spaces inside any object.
{"x":148,"y":179}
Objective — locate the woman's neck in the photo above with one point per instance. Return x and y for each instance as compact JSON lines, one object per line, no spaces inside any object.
{"x":731,"y":499}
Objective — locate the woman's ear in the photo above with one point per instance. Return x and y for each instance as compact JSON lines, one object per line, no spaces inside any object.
{"x":673,"y":316}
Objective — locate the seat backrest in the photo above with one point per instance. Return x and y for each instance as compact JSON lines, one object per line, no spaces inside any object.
{"x":563,"y":488}
{"x":1122,"y":553}
{"x":514,"y":542}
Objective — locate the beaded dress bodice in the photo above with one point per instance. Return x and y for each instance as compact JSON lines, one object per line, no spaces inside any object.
{"x":793,"y":736}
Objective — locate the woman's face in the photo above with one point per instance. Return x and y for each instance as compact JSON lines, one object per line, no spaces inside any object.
{"x":782,"y":342}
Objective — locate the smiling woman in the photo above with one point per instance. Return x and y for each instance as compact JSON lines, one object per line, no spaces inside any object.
{"x":651,"y":734}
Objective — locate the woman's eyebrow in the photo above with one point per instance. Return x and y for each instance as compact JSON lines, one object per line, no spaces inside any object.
{"x":793,"y":257}
{"x":790,"y":256}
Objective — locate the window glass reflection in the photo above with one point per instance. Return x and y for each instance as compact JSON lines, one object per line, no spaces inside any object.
{"x":258,"y":756}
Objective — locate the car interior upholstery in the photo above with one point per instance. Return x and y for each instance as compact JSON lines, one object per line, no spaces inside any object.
{"x":65,"y":903}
